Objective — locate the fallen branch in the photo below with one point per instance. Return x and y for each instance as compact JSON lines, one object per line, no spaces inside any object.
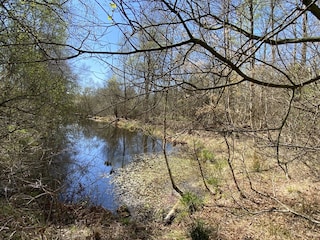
{"x":309,"y":218}
{"x":172,"y":214}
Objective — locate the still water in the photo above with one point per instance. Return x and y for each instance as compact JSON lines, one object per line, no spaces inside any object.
{"x":94,"y":151}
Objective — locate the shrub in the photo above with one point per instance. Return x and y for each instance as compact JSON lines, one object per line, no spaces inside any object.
{"x":191,"y":201}
{"x":199,"y":231}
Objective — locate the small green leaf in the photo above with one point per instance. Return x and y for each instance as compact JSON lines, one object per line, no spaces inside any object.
{"x":109,"y":18}
{"x":22,"y":131}
{"x":113,"y":5}
{"x":11,"y":128}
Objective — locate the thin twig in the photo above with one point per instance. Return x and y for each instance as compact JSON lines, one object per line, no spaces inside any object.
{"x":164,"y":146}
{"x":201,"y":171}
{"x":231,"y":167}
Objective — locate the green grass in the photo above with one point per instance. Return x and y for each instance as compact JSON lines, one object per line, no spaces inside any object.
{"x":191,"y":201}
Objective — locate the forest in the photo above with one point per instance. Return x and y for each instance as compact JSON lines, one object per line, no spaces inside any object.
{"x":234,"y":83}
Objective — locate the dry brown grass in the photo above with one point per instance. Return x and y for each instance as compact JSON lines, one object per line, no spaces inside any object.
{"x":271,"y":206}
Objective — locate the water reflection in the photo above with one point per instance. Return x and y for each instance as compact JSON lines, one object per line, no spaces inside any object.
{"x":94,"y":151}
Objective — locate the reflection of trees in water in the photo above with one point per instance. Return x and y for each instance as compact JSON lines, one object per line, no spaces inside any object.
{"x":60,"y":169}
{"x":95,"y":147}
{"x":121,"y":142}
{"x":121,"y":145}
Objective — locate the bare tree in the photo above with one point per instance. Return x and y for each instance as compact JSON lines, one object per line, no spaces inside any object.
{"x":193,"y":32}
{"x":235,"y":63}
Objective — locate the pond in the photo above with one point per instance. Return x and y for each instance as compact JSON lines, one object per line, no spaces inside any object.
{"x":94,"y":152}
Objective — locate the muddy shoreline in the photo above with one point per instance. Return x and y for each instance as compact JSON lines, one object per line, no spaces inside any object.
{"x":144,"y":186}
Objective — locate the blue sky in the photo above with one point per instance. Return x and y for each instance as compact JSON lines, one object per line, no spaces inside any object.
{"x":93,"y":16}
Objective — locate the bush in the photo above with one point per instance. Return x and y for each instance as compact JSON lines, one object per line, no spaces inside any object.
{"x":199,"y":231}
{"x":191,"y":201}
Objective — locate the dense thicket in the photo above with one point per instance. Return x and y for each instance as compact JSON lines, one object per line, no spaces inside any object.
{"x":35,"y":95}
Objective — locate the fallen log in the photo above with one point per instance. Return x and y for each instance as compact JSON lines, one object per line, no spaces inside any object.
{"x":172,"y":214}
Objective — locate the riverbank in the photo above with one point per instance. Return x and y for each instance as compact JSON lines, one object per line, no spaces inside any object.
{"x":240,"y":193}
{"x":230,"y":191}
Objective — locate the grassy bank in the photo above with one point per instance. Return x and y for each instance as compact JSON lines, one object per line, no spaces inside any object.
{"x":249,"y":196}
